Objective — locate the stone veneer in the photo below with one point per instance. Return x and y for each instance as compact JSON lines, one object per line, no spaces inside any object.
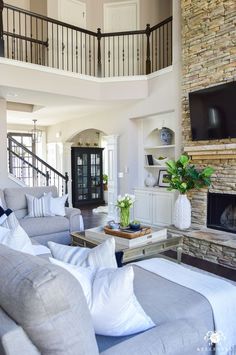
{"x":209,"y":58}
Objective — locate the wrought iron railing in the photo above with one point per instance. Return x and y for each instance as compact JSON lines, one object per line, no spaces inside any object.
{"x":33,"y":38}
{"x":32,"y":170}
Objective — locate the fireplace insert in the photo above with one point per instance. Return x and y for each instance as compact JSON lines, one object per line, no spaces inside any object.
{"x":221,"y":211}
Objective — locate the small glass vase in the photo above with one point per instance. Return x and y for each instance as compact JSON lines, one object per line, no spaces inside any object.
{"x":124,"y":217}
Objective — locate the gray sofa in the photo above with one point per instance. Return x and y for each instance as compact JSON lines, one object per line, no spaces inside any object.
{"x":43,"y":311}
{"x":41,"y":229}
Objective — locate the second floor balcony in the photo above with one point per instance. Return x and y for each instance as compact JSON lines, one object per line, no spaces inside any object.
{"x":33,"y":38}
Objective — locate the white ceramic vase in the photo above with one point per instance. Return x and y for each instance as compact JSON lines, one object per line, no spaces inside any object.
{"x":182,"y":212}
{"x":150,"y":180}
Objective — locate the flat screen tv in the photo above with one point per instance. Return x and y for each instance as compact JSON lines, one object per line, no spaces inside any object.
{"x":213,"y":112}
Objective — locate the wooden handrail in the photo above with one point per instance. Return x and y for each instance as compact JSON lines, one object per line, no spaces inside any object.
{"x":35,"y":156}
{"x":169,"y":19}
{"x":49,"y":19}
{"x":25,"y":38}
{"x":27,"y":162}
{"x":53,"y":43}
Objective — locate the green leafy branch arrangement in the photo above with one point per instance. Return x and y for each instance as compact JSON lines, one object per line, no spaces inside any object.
{"x":183,"y":176}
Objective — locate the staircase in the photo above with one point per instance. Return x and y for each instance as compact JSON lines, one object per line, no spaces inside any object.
{"x":30,"y":170}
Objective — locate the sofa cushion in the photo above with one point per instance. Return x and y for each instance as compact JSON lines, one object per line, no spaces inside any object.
{"x":44,"y":225}
{"x":16,"y":200}
{"x":47,"y":302}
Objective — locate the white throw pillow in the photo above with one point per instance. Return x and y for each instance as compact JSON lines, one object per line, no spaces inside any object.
{"x":82,"y":274}
{"x":57,"y":205}
{"x":16,"y":239}
{"x":14,"y":236}
{"x":102,"y":255}
{"x":38,"y":207}
{"x":114,"y":307}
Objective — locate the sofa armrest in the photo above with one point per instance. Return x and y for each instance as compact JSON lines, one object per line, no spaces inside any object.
{"x":13,"y":337}
{"x":75,"y":219}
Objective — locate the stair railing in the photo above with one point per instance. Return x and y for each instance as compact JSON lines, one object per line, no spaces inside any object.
{"x":33,"y":38}
{"x":32,"y":170}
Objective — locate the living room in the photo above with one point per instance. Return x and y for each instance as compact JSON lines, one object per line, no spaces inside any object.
{"x":130,"y":112}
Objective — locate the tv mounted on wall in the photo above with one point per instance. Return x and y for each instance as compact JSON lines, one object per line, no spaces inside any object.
{"x":213,"y":112}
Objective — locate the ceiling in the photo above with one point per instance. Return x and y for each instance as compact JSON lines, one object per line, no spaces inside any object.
{"x":50,"y":109}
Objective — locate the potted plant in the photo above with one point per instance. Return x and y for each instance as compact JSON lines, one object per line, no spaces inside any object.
{"x":183,"y":177}
{"x":124,"y":203}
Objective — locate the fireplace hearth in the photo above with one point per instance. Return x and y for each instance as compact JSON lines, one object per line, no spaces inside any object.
{"x":221,"y":211}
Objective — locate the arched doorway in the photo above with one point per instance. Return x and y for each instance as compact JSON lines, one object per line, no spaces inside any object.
{"x":109,"y":143}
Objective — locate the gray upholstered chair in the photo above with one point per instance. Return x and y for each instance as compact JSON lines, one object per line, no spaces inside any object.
{"x":42,"y":229}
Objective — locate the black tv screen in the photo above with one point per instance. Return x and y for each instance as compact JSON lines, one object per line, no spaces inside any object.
{"x":213,"y":112}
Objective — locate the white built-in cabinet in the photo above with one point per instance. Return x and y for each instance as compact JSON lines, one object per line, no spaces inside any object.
{"x":154,"y":206}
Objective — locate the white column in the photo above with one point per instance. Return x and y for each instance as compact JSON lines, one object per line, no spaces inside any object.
{"x":3,"y":140}
{"x":112,"y":159}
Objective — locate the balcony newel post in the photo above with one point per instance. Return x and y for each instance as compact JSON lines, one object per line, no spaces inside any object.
{"x":99,"y":36}
{"x":148,"y":57}
{"x":1,"y":29}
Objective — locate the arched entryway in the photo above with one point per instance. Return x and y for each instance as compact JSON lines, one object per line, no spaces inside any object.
{"x":92,"y":139}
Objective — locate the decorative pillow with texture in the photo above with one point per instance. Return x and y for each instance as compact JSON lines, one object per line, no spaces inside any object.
{"x":38,"y":207}
{"x":114,"y":307}
{"x":57,"y":205}
{"x":102,"y":255}
{"x":13,"y":235}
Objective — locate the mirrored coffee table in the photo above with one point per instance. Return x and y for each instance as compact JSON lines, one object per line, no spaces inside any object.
{"x":147,"y":249}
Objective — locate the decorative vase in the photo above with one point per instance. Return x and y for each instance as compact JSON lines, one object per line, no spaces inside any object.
{"x":182,"y":212}
{"x":165,"y":136}
{"x":150,"y":180}
{"x":124,"y":217}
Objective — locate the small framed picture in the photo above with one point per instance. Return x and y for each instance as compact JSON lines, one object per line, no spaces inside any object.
{"x":161,"y":179}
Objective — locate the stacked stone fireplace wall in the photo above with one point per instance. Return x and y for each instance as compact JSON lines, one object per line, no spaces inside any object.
{"x":209,"y":59}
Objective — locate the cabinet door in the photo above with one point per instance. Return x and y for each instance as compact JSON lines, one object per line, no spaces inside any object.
{"x":95,"y":174}
{"x":81,"y":181}
{"x":162,"y":208}
{"x":87,"y":182}
{"x":143,"y":207}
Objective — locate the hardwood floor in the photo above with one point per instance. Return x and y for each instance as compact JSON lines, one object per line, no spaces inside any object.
{"x":95,"y":219}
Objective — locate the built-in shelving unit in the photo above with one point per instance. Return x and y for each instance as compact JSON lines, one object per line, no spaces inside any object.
{"x":154,"y":205}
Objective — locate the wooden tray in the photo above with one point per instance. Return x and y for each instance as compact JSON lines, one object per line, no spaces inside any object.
{"x":128,"y":235}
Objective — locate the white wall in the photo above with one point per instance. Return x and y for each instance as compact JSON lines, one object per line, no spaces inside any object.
{"x":120,"y":122}
{"x":151,"y":11}
{"x":4,"y":180}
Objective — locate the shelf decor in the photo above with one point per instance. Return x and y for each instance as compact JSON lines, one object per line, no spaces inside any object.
{"x":163,"y":175}
{"x":183,"y":177}
{"x":150,"y":180}
{"x":166,"y":136}
{"x":124,"y":203}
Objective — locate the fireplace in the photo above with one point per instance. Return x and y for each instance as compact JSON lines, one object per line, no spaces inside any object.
{"x":221,"y":211}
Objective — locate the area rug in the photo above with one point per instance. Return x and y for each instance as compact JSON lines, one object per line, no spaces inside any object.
{"x":101,"y":209}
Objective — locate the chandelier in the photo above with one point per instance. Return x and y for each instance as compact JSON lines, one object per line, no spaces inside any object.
{"x":36,"y":133}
